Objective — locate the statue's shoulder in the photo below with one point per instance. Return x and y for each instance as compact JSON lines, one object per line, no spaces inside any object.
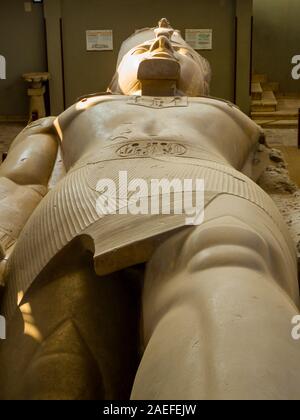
{"x":228,"y":110}
{"x":212,"y":100}
{"x":95,"y":95}
{"x":86,"y":103}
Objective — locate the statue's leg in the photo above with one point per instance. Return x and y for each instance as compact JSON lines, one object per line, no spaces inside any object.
{"x":217,"y":321}
{"x":75,"y":337}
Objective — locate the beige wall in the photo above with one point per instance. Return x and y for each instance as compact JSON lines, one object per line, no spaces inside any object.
{"x":22,"y":43}
{"x":276,"y":40}
{"x":87,"y":72}
{"x":243,"y":55}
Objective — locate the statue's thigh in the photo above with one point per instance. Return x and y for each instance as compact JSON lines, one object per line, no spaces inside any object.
{"x":74,"y":337}
{"x":236,"y":234}
{"x":217,"y":306}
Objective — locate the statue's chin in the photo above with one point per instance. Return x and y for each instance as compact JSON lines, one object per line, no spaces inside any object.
{"x":159,"y":68}
{"x":159,"y":76}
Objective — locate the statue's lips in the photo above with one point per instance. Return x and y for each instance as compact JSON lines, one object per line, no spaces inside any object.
{"x":163,"y":55}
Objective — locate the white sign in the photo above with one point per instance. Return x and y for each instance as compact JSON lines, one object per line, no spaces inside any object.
{"x":199,"y":39}
{"x":2,"y":328}
{"x":2,"y":67}
{"x":99,"y":40}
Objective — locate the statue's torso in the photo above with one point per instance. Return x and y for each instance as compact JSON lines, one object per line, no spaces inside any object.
{"x":170,"y":139}
{"x":214,"y":129}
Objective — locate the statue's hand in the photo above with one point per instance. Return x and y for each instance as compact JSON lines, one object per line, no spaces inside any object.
{"x":24,"y":178}
{"x":4,"y":257}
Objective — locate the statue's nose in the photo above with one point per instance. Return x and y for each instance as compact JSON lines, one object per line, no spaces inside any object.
{"x":162,"y":43}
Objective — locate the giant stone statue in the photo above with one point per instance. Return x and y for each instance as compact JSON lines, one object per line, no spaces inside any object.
{"x":145,"y":306}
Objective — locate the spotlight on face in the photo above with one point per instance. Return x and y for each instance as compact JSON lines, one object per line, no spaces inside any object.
{"x":158,"y":62}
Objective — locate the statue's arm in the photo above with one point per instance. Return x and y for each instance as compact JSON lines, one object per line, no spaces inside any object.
{"x":24,"y":177}
{"x":254,"y":145}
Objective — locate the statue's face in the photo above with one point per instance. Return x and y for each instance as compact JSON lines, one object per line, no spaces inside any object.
{"x":192,"y":73}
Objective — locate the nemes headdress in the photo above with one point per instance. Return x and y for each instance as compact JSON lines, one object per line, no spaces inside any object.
{"x":148,"y":35}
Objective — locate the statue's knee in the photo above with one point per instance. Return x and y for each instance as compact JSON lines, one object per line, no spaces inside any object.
{"x":225,"y":242}
{"x":197,"y":255}
{"x":221,"y":242}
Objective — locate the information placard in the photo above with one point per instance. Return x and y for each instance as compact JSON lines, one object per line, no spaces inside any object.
{"x":199,"y":39}
{"x":99,"y":40}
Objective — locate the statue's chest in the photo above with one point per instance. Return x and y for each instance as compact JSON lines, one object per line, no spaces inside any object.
{"x":136,"y":119}
{"x":139,"y":127}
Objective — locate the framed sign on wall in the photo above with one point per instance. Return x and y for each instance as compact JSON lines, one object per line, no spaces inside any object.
{"x":99,"y":40}
{"x":199,"y":39}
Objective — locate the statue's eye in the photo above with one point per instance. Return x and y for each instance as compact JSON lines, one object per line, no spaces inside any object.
{"x":139,"y":51}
